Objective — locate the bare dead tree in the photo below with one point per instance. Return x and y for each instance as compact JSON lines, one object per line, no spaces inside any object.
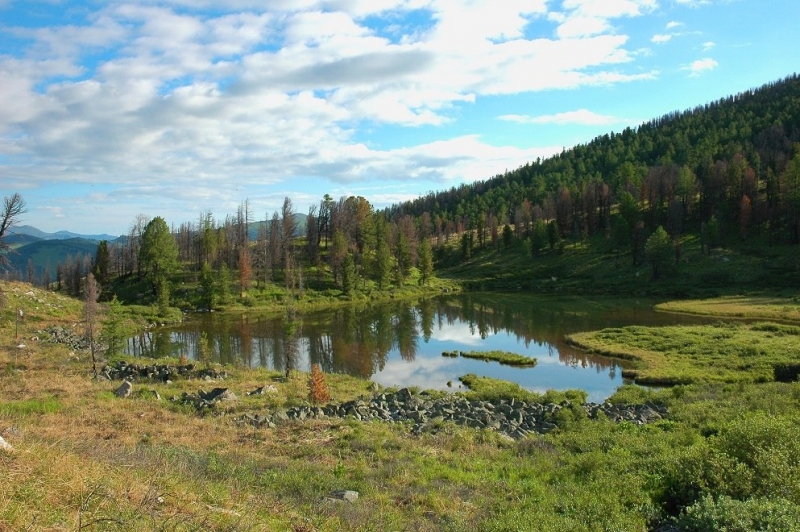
{"x":13,"y":208}
{"x":90,"y":311}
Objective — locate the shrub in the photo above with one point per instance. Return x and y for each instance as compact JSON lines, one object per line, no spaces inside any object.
{"x":317,"y":390}
{"x":724,"y":513}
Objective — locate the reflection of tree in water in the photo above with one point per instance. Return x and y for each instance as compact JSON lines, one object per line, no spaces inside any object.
{"x":406,"y":332}
{"x":154,"y":343}
{"x":320,"y":350}
{"x":358,"y":340}
{"x":291,"y":337}
{"x":531,"y":320}
{"x":246,"y":341}
{"x":427,"y":310}
{"x":225,"y":340}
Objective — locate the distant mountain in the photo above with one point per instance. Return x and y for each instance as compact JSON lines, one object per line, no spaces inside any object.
{"x":18,"y":240}
{"x":59,"y":235}
{"x":49,"y":253}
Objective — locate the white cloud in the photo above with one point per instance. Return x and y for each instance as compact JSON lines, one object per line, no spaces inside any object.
{"x":471,"y":24}
{"x":583,"y":18}
{"x":581,"y":116}
{"x":701,"y":65}
{"x":708,"y":45}
{"x":673,"y":24}
{"x":264,"y":96}
{"x":661,"y":38}
{"x":52,"y":211}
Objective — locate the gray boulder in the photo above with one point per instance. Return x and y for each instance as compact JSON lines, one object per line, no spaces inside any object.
{"x":124,"y":389}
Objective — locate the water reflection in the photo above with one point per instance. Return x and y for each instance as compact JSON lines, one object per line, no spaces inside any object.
{"x":400,"y":343}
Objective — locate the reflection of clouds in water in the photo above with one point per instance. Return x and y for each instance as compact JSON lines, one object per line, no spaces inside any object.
{"x":547,"y":361}
{"x":457,"y":333}
{"x":427,"y":373}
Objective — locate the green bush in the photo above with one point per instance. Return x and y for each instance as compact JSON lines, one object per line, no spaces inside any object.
{"x":754,"y":456}
{"x":731,"y":515}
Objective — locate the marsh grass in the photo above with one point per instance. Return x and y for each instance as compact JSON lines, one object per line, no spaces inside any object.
{"x":502,"y":357}
{"x":698,"y":353}
{"x":489,"y":389}
{"x":762,"y":308}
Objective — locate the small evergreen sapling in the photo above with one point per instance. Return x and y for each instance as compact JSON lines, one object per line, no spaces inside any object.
{"x":317,"y":390}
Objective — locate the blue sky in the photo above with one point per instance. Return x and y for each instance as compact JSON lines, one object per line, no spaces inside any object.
{"x":171,"y":108}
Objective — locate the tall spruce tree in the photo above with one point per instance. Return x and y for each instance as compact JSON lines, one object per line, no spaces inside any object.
{"x":158,"y":255}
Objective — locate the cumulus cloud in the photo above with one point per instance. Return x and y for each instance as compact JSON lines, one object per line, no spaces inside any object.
{"x":661,"y":38}
{"x":701,"y":65}
{"x":147,"y":94}
{"x":583,"y":18}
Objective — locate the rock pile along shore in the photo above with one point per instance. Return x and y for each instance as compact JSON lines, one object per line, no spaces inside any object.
{"x":159,"y":372}
{"x":423,"y":411}
{"x":515,"y":419}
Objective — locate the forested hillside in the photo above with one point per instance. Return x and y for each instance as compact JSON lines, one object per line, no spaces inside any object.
{"x":733,"y":160}
{"x":655,"y":199}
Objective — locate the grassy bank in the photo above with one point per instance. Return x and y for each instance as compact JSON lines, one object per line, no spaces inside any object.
{"x":702,"y":353}
{"x":762,"y":308}
{"x":590,"y":266}
{"x":505,"y":358}
{"x":85,"y":459}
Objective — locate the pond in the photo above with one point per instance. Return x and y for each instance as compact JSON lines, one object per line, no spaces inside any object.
{"x":401,"y":343}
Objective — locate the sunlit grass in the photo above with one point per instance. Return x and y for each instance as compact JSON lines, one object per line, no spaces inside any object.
{"x":85,"y":458}
{"x":702,"y":353}
{"x":502,"y":357}
{"x":773,"y":308}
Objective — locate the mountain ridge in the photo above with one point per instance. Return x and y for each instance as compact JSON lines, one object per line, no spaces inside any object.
{"x":58,"y":235}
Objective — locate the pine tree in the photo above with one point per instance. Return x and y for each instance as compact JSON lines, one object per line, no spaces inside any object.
{"x":158,"y":255}
{"x":658,"y":250}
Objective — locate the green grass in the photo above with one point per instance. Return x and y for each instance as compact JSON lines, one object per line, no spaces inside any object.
{"x":765,"y":308}
{"x":505,"y":358}
{"x":29,"y":407}
{"x":587,"y":266}
{"x":727,"y":453}
{"x":490,"y":389}
{"x":700,"y":353}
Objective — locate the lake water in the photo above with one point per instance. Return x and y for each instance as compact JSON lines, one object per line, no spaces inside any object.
{"x":401,"y":343}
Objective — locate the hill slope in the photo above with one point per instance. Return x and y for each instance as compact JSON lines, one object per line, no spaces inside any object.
{"x":48,"y":254}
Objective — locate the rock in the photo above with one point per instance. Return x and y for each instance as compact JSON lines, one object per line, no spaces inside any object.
{"x":218,"y":394}
{"x":124,"y":390}
{"x":6,"y":447}
{"x":344,"y":495}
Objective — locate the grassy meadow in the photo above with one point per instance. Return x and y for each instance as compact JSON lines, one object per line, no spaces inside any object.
{"x":727,"y":457}
{"x":702,"y":353}
{"x":746,"y":307}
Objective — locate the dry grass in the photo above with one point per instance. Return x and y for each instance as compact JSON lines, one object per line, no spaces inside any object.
{"x":86,"y":460}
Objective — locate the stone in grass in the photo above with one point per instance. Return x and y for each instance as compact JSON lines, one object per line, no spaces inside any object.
{"x":262,"y":390}
{"x":124,"y":389}
{"x":343,"y":496}
{"x":217,"y":394}
{"x":5,"y":446}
